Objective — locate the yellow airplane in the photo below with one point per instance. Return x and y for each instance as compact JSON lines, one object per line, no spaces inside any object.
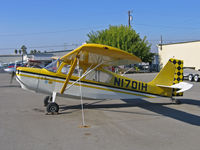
{"x":84,"y":72}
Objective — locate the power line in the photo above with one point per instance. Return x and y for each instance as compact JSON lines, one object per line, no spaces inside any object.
{"x":164,"y":26}
{"x":78,"y":44}
{"x":44,"y":46}
{"x":53,"y":32}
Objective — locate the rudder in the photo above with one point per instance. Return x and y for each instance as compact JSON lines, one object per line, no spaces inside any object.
{"x":178,"y":74}
{"x":170,"y":74}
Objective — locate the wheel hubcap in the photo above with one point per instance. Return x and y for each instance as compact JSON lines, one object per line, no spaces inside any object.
{"x":53,"y":109}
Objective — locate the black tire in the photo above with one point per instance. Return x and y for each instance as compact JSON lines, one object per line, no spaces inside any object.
{"x":196,"y":78}
{"x":190,"y":77}
{"x":46,"y":100}
{"x":52,"y":108}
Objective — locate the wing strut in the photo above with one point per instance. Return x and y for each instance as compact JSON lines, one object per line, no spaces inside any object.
{"x":69,"y":75}
{"x":85,"y":74}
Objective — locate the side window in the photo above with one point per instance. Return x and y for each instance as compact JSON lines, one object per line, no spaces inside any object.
{"x":104,"y":77}
{"x":99,"y":76}
{"x":92,"y":76}
{"x":53,"y":67}
{"x":66,"y":68}
{"x":76,"y":72}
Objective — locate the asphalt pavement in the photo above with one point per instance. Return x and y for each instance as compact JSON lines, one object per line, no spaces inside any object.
{"x":148,"y":124}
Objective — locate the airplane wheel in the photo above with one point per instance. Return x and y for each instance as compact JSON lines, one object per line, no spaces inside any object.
{"x":52,"y":108}
{"x":47,"y":100}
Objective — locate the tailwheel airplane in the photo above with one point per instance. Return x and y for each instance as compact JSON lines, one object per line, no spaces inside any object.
{"x":85,"y":72}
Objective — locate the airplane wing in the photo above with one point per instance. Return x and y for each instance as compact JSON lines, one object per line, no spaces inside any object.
{"x":97,"y":53}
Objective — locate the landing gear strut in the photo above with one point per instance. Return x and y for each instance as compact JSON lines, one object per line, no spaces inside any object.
{"x":176,"y":101}
{"x":47,"y":100}
{"x":52,"y":106}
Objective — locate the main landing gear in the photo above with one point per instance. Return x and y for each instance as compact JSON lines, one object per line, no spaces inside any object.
{"x":51,"y":106}
{"x":47,"y":100}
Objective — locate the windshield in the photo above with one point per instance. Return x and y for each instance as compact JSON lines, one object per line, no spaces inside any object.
{"x":53,"y":67}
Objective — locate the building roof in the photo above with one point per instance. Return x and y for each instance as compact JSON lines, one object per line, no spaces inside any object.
{"x":179,"y":42}
{"x":57,"y":51}
{"x":11,"y":55}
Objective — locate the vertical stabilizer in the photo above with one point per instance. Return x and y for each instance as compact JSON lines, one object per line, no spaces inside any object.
{"x":178,"y":75}
{"x":171,"y":73}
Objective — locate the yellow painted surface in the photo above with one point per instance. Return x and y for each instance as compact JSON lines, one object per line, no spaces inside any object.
{"x":95,"y":53}
{"x":69,"y":75}
{"x":165,"y":77}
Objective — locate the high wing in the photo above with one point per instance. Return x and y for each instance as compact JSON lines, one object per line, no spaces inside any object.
{"x":96,"y":53}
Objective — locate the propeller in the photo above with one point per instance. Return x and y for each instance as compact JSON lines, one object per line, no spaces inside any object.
{"x":12,"y":76}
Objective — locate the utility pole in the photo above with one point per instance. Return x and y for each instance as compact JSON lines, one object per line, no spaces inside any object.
{"x":130,"y":18}
{"x":161,"y":42}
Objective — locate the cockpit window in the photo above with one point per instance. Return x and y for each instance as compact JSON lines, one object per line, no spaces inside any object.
{"x":53,"y":67}
{"x":99,"y":76}
{"x":66,"y":68}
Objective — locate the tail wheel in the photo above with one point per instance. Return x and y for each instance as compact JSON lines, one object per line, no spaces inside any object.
{"x":196,"y":77}
{"x":190,"y":77}
{"x":52,"y":108}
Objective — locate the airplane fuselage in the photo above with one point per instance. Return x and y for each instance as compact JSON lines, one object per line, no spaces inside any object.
{"x":85,"y":72}
{"x":39,"y":80}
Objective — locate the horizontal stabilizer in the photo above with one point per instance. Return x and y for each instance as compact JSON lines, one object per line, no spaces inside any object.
{"x":182,"y":86}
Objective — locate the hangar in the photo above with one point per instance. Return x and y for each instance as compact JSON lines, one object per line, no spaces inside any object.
{"x":189,"y":52}
{"x":38,"y":56}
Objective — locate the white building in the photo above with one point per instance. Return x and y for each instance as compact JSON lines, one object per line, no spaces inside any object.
{"x":38,"y":56}
{"x":189,"y":52}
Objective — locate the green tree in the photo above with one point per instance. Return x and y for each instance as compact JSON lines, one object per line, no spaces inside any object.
{"x":20,"y":51}
{"x":31,"y":52}
{"x":125,"y":38}
{"x":34,"y":51}
{"x":16,"y":51}
{"x":23,"y":49}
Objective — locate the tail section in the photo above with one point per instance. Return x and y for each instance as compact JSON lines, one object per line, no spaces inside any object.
{"x":169,"y":76}
{"x":178,"y":75}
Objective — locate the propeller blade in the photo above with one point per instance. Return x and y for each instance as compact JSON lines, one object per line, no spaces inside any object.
{"x":12,"y":76}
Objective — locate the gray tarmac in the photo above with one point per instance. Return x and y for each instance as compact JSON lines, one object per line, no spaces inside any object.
{"x":149,"y":124}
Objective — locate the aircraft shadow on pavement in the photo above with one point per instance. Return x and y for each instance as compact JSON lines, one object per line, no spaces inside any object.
{"x":191,"y":102}
{"x":173,"y":113}
{"x":159,"y":108}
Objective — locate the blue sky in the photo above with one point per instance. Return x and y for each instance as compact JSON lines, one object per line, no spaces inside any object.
{"x":56,"y":24}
